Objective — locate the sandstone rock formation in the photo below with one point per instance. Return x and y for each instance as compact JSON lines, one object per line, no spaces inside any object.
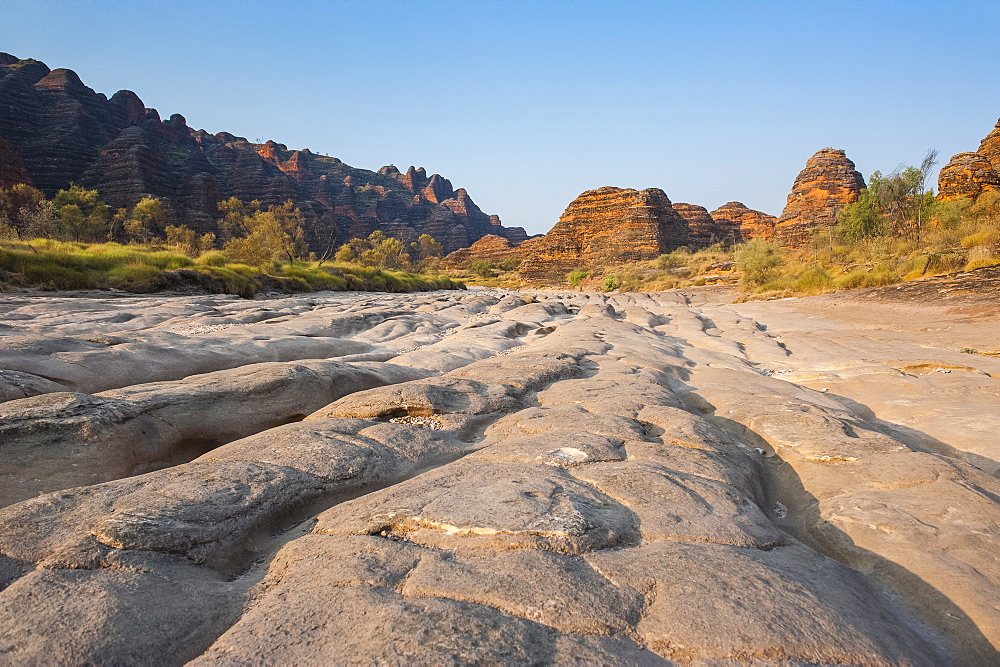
{"x":703,"y":229}
{"x":827,"y":184}
{"x":738,"y":222}
{"x":490,"y":248}
{"x":967,"y":175}
{"x":12,"y":169}
{"x":605,"y":226}
{"x":498,"y":477}
{"x":970,"y":174}
{"x":990,"y":147}
{"x":62,"y":132}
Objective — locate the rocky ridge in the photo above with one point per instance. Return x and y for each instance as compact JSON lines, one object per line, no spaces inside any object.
{"x":613,"y":225}
{"x":969,"y":174}
{"x":494,"y":477}
{"x":63,"y":132}
{"x":604,"y":226}
{"x":737,"y":221}
{"x":490,"y":248}
{"x":828,"y":182}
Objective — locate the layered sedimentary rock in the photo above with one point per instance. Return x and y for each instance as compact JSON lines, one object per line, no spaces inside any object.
{"x":702,"y":227}
{"x":741,"y":223}
{"x":967,"y":175}
{"x":490,"y":248}
{"x":12,"y":169}
{"x":495,"y":477}
{"x":605,"y":226}
{"x":828,"y":183}
{"x":990,"y":147}
{"x":61,"y":131}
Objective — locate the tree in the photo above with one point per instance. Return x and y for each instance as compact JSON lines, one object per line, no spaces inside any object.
{"x":80,"y":215}
{"x":758,"y":260}
{"x":146,"y":220}
{"x":187,"y":240}
{"x":428,"y":247}
{"x":378,"y":250}
{"x":898,"y":204}
{"x":26,"y":211}
{"x":480,"y":267}
{"x":862,"y":220}
{"x":258,"y":237}
{"x":290,"y":220}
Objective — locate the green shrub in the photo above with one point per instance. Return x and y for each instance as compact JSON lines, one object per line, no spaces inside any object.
{"x":574,"y":278}
{"x":758,"y":261}
{"x":982,"y":262}
{"x":814,"y":280}
{"x":611,"y":283}
{"x":859,"y":279}
{"x":480,"y":267}
{"x":136,"y":277}
{"x":214,"y":258}
{"x":985,"y":237}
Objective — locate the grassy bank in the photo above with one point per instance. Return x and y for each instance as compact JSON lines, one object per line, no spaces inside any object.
{"x":59,"y":265}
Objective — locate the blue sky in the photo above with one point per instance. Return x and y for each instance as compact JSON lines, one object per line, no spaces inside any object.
{"x":527,"y":104}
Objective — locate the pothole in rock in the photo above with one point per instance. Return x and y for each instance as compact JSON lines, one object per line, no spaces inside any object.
{"x":412,"y":420}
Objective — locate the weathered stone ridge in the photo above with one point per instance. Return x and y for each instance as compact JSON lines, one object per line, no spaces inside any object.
{"x":55,"y":130}
{"x":703,"y":229}
{"x":967,"y":175}
{"x":828,"y":183}
{"x":739,"y":223}
{"x":990,"y":147}
{"x":490,"y":248}
{"x":605,"y":226}
{"x":491,"y":476}
{"x":12,"y":169}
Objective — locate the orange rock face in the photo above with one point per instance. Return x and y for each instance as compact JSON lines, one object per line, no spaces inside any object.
{"x":740,"y":223}
{"x":703,"y":229}
{"x":970,"y":174}
{"x":828,"y":183}
{"x":491,"y":248}
{"x":605,"y":226}
{"x":990,"y":147}
{"x":967,"y":175}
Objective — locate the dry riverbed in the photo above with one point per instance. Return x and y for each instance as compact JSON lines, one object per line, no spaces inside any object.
{"x":492,"y":476}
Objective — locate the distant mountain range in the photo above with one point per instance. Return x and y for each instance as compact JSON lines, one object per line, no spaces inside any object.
{"x":54,"y":131}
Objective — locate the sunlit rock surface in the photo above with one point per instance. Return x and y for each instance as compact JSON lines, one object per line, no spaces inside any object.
{"x":492,"y":476}
{"x":827,"y":184}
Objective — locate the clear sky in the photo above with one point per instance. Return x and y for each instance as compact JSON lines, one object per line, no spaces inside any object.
{"x":527,"y":104}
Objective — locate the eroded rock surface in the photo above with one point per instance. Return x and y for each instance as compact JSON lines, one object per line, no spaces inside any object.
{"x":605,"y":226}
{"x":967,"y":175}
{"x":499,"y":477}
{"x":828,"y":183}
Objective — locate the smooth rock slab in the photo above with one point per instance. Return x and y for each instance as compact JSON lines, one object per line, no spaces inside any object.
{"x":490,"y":506}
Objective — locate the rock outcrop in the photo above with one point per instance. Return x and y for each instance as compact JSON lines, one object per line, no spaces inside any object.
{"x":55,"y":130}
{"x":12,"y":169}
{"x":703,"y":229}
{"x":737,"y":222}
{"x":990,"y":147}
{"x":967,"y":175}
{"x":497,"y":477}
{"x":828,"y":183}
{"x":605,"y":226}
{"x":490,"y":248}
